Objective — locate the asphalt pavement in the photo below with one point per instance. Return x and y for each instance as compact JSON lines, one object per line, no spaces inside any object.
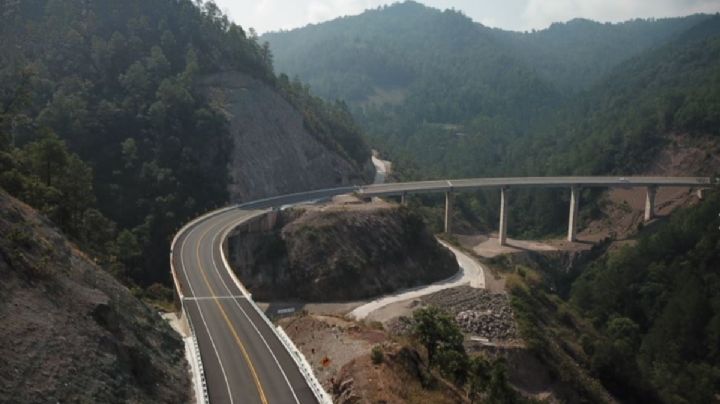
{"x":243,"y":359}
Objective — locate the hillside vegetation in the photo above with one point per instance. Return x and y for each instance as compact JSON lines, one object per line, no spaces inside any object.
{"x":104,"y":125}
{"x":657,"y":307}
{"x":636,"y":324}
{"x":443,"y":96}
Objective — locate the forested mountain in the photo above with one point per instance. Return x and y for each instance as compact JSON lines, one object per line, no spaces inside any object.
{"x":631,"y":322}
{"x":106,"y":127}
{"x":575,"y":54}
{"x":354,"y":58}
{"x":444,"y":96}
{"x":621,"y":121}
{"x":657,"y":308}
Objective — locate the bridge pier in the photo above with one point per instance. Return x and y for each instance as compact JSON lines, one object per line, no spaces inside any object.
{"x":574,"y":206}
{"x":700,"y":194}
{"x":403,"y":199}
{"x":650,"y":203}
{"x":502,"y":232}
{"x":449,"y":200}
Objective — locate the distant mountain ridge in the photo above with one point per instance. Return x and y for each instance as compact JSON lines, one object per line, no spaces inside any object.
{"x":443,"y":96}
{"x":318,"y":53}
{"x":636,"y":320}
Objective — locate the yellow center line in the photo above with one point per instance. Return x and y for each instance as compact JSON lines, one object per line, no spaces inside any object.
{"x":229,"y":323}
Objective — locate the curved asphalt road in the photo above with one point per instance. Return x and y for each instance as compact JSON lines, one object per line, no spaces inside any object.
{"x":243,"y":360}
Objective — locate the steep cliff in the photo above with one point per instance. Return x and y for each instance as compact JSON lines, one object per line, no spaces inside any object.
{"x":274,"y":152}
{"x":69,"y":332}
{"x":337,"y":253}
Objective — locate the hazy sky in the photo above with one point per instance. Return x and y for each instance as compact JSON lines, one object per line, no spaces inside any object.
{"x":519,"y":15}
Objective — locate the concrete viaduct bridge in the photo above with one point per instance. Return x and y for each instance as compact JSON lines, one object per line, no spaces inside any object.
{"x":449,"y":187}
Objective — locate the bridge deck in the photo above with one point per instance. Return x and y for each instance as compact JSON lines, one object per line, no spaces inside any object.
{"x":530,"y":182}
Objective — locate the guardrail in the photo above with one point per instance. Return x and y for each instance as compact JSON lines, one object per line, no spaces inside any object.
{"x":305,"y":368}
{"x":202,"y":383}
{"x":398,"y":188}
{"x":201,"y":370}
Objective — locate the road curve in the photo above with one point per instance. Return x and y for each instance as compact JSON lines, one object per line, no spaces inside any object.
{"x":244,"y":360}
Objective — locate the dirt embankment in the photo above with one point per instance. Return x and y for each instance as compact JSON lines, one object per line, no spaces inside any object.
{"x":69,"y":332}
{"x":339,"y":253}
{"x":339,"y":352}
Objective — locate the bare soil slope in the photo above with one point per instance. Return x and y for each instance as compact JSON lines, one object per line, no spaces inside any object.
{"x":339,"y":352}
{"x":69,"y":332}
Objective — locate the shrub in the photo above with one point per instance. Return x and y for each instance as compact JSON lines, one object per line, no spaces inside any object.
{"x":158,"y":291}
{"x":377,"y":355}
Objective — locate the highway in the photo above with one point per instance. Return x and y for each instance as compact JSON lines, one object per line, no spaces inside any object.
{"x":529,"y":182}
{"x":243,"y":359}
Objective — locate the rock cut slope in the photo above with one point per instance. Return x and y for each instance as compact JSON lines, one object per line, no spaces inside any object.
{"x":274,"y":152}
{"x":69,"y":332}
{"x":339,"y":253}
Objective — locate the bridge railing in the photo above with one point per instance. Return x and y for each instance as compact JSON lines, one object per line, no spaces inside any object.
{"x":531,"y":182}
{"x":200,"y":385}
{"x":305,"y":368}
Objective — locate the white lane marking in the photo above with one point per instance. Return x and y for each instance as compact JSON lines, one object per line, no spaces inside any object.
{"x":212,"y":297}
{"x":233,"y":224}
{"x":202,"y":317}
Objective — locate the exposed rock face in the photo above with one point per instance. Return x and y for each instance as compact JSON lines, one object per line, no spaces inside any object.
{"x":338,"y":254}
{"x":273,"y":152}
{"x":69,"y":332}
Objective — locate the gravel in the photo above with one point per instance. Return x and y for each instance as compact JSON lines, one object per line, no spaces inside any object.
{"x":477,"y":311}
